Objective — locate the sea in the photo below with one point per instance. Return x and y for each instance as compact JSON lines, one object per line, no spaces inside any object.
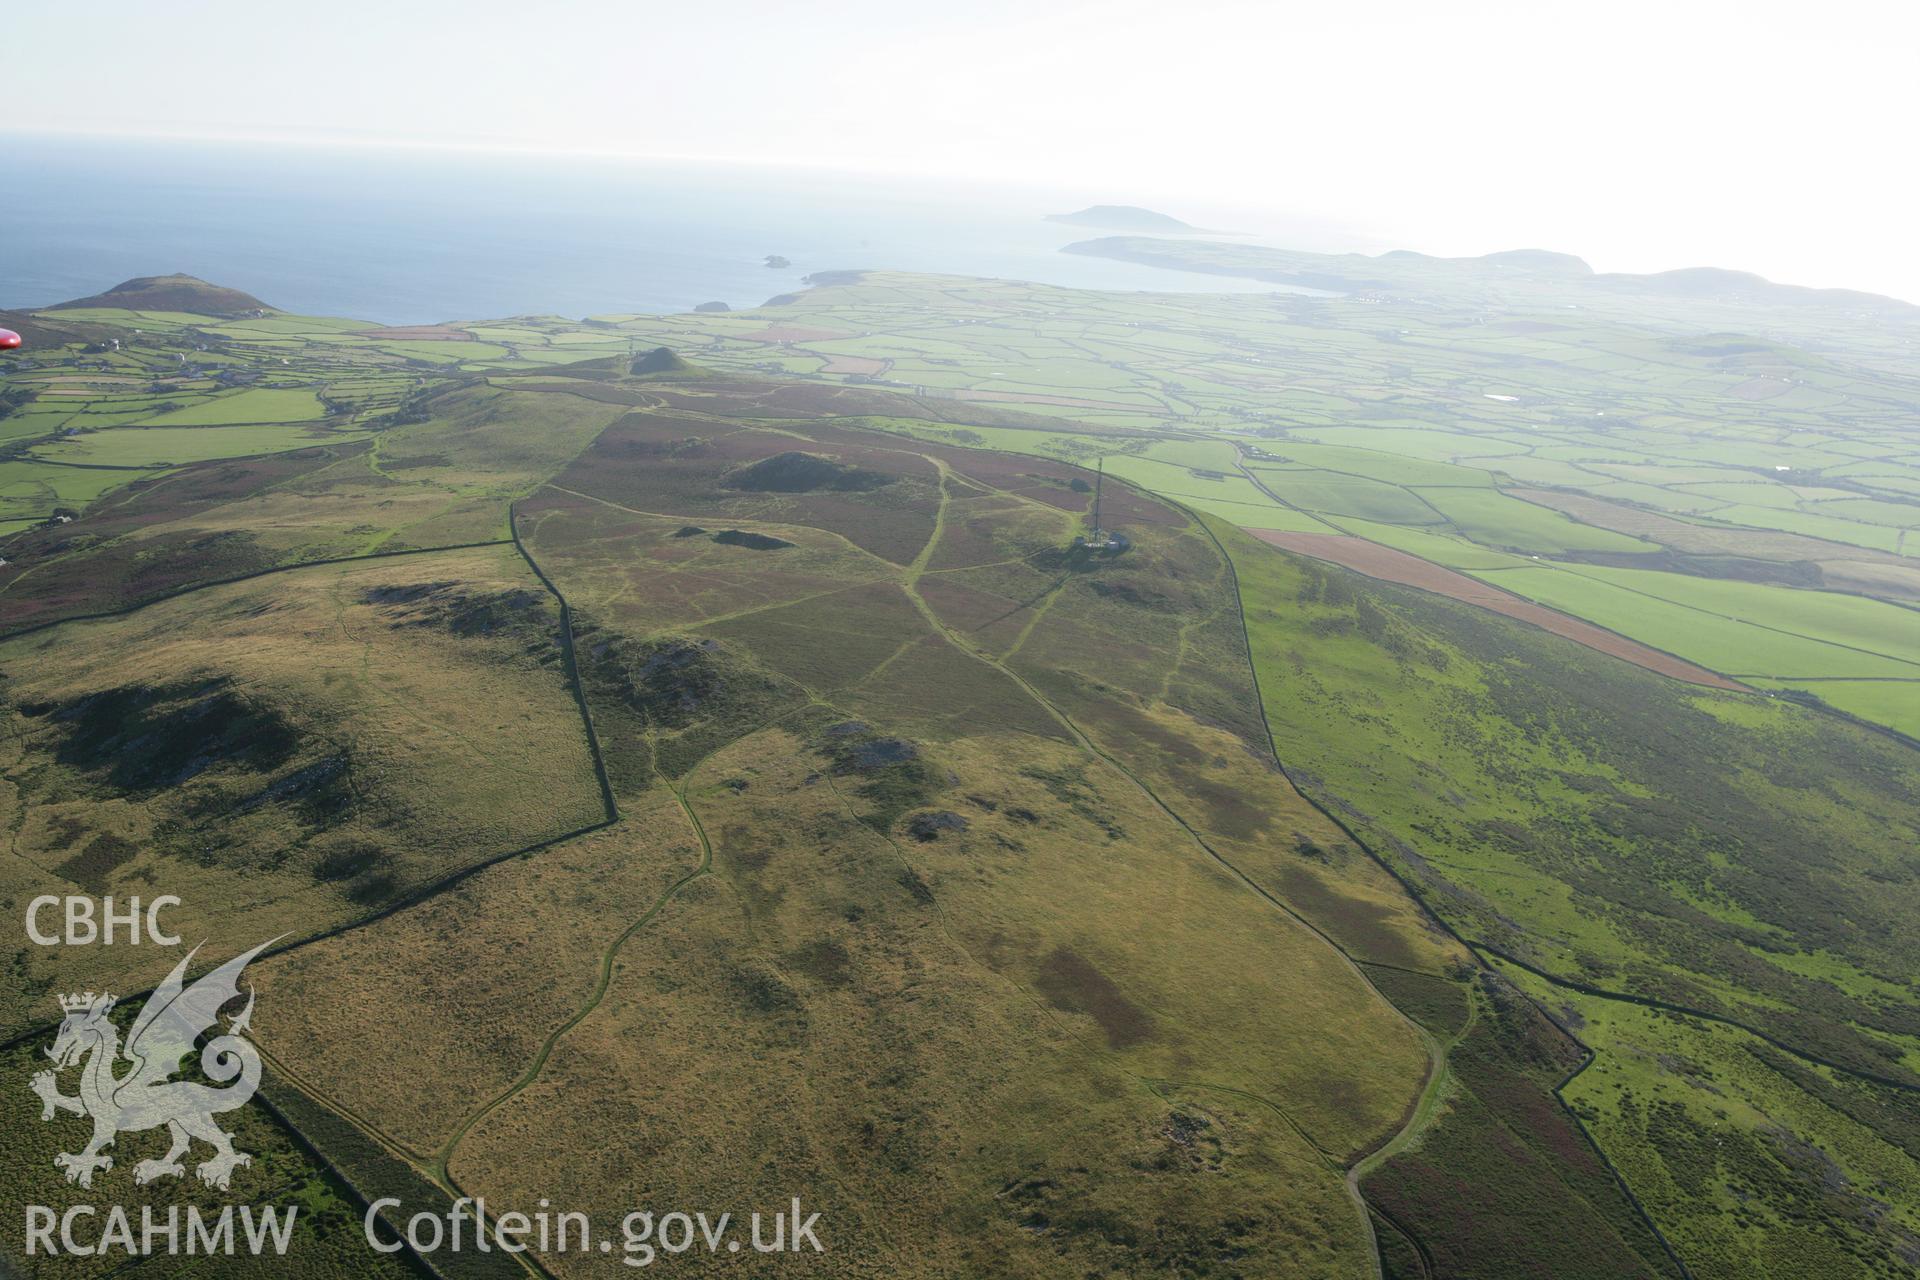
{"x":417,"y":236}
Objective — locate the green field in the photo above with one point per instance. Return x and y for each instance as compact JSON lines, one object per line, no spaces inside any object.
{"x":1508,"y":524}
{"x":1777,"y":636}
{"x":172,"y":446}
{"x":1334,"y":493}
{"x":257,"y":405}
{"x":1869,"y":626}
{"x":30,"y":490}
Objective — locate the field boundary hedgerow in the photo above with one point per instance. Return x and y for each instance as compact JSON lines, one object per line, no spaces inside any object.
{"x":1587,"y":1058}
{"x":1666,"y":1006}
{"x":573,"y":666}
{"x":414,"y":1259}
{"x":104,"y":614}
{"x":410,"y":899}
{"x":430,"y":889}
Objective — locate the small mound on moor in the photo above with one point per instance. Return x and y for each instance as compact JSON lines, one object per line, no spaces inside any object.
{"x":659,"y":364}
{"x":171,"y":293}
{"x":804,"y":473}
{"x":752,"y":541}
{"x":659,"y":360}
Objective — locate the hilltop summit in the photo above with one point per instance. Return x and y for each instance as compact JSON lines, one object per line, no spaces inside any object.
{"x":177,"y":292}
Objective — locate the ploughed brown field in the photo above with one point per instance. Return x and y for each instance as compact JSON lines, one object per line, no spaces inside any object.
{"x":1390,"y":565}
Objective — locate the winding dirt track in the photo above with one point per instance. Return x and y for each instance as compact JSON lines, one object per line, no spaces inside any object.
{"x":1390,"y":565}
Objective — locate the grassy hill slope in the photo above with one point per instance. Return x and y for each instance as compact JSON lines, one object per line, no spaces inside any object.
{"x":169,"y":293}
{"x":1599,"y":832}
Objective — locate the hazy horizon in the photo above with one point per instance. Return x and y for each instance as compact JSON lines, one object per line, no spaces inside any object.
{"x":423,"y":237}
{"x":1640,"y":140}
{"x":1298,"y":230}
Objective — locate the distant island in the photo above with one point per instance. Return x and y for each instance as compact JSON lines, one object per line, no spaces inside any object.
{"x":1552,"y":277}
{"x":777,"y":262}
{"x":1121,"y":217}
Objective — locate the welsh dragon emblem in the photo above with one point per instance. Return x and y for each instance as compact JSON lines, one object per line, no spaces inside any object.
{"x":144,"y":1095}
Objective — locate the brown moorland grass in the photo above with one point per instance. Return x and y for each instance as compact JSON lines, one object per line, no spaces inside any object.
{"x":1176,"y":574}
{"x":638,"y":569}
{"x":1160,"y":621}
{"x":834,"y":1011}
{"x":493,"y":965}
{"x":1248,"y":811}
{"x":1047,"y":873}
{"x":935,"y":688}
{"x":284,"y":754}
{"x":1158,"y":918}
{"x":1042,"y":479}
{"x":829,"y":642}
{"x":994,"y":619}
{"x":991,"y":608}
{"x":154,"y":536}
{"x":1210,"y":760}
{"x":982,"y":529}
{"x":693,"y":469}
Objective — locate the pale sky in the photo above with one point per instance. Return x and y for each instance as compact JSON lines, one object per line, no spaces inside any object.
{"x":1774,"y":137}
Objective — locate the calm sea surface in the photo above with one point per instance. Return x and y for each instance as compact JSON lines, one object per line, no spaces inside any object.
{"x":415,"y":237}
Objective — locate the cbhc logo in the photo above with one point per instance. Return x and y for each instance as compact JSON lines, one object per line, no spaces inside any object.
{"x":88,"y":921}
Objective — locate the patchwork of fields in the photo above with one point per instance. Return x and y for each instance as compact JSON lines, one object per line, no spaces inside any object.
{"x":740,"y":758}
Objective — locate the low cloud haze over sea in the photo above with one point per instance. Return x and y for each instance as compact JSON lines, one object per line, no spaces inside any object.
{"x":419,"y":236}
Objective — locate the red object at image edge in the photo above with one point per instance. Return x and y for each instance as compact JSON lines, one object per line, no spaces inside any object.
{"x":8,"y":339}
